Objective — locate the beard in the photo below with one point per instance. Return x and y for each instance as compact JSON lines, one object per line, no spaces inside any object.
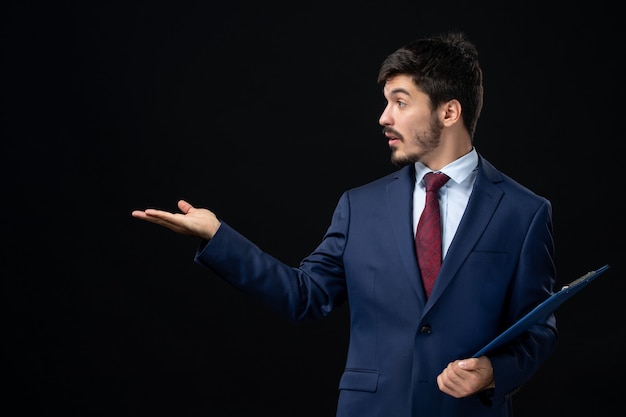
{"x":424,"y":143}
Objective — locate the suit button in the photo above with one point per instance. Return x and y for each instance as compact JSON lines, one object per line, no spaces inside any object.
{"x":425,"y":329}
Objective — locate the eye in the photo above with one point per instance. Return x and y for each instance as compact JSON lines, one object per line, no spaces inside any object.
{"x":401,"y":103}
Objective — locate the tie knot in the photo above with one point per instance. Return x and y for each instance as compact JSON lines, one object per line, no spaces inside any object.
{"x":433,"y":181}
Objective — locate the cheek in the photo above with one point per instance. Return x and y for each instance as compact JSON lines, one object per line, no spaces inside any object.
{"x":414,"y":124}
{"x":418,"y":118}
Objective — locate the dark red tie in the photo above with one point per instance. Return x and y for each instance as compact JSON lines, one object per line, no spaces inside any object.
{"x":428,"y":235}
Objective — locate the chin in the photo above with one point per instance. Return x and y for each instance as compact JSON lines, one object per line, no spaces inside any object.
{"x":400,"y":159}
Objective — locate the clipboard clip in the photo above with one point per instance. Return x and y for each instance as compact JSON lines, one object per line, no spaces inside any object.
{"x":585,"y":277}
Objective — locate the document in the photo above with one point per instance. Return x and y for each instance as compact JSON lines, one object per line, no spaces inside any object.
{"x":542,"y":310}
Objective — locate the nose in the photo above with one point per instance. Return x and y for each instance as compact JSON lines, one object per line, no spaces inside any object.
{"x":385,"y":118}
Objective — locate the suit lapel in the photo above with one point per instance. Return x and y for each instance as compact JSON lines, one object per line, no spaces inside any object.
{"x":400,"y":200}
{"x":480,"y":208}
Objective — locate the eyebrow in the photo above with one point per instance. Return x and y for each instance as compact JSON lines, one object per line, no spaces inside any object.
{"x":399,"y":90}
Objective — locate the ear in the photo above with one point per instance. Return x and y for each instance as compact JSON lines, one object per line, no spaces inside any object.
{"x":450,"y":112}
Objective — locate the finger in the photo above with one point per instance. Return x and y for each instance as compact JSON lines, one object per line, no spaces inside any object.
{"x":184,"y":206}
{"x":138,"y":214}
{"x":157,"y":213}
{"x":150,"y":214}
{"x":446,"y":384}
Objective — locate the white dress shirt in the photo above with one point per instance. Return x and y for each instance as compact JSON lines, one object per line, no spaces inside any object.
{"x":453,"y":196}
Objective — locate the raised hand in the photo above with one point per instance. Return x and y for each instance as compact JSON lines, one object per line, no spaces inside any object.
{"x":191,"y":221}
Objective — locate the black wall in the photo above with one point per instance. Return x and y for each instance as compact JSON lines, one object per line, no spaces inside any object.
{"x":109,"y":107}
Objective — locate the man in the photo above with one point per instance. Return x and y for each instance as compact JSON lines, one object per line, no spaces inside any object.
{"x":410,"y":354}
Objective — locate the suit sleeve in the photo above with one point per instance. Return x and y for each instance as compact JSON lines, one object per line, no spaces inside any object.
{"x":307,"y":292}
{"x":515,"y":363}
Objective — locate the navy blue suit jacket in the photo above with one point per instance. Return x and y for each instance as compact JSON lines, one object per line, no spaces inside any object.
{"x":498,"y":267}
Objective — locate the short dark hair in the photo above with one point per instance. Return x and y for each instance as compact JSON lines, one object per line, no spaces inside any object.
{"x":444,"y":67}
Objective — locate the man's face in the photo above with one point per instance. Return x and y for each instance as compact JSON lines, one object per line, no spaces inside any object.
{"x":412,"y":128}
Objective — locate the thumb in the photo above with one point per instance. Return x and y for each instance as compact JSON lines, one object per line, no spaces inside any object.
{"x":184,"y":206}
{"x":468,"y":364}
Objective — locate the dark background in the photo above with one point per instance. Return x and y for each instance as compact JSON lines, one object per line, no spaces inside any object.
{"x":265,"y":114}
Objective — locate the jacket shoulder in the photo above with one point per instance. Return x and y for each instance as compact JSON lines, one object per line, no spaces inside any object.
{"x":404,"y":175}
{"x":506,"y":183}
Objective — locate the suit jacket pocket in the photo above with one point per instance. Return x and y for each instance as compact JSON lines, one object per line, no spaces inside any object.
{"x":359,"y":380}
{"x":494,"y":258}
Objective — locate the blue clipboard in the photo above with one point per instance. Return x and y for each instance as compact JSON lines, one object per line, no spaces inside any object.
{"x":542,"y":310}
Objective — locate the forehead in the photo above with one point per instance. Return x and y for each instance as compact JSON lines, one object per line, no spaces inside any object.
{"x":403,"y":85}
{"x":400,"y":84}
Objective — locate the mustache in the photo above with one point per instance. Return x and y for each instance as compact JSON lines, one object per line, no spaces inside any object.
{"x":392,"y":132}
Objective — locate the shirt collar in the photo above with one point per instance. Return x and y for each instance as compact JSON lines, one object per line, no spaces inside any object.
{"x":458,"y":170}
